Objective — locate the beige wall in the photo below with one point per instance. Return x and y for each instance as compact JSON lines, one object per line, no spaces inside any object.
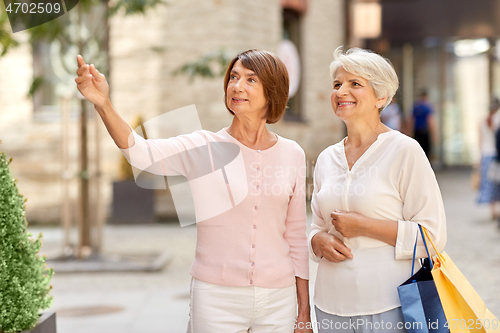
{"x":144,"y":52}
{"x":32,"y":145}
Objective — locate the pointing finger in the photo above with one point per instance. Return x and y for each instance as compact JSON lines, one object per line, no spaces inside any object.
{"x":80,"y":61}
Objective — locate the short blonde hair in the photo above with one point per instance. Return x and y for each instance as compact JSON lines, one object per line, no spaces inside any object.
{"x":374,"y":68}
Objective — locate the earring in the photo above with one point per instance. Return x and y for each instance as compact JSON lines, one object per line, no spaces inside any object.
{"x":378,"y":106}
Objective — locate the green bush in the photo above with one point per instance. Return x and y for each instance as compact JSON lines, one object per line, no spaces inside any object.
{"x":24,"y":279}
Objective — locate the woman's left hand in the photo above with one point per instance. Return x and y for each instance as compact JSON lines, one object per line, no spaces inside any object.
{"x":303,"y":324}
{"x":349,"y":224}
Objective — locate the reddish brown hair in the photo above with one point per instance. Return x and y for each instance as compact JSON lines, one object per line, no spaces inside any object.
{"x":273,"y":75}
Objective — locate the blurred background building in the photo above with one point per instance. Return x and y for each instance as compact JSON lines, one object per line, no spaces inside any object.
{"x":448,"y":47}
{"x":144,"y":52}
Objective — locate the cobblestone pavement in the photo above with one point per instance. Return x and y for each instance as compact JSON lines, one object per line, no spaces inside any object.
{"x":159,"y":302}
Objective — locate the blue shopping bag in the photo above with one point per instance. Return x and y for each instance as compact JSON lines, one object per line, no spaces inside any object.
{"x":420,"y":303}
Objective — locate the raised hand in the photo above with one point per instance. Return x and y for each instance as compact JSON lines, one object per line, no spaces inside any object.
{"x":95,"y":88}
{"x":91,"y":83}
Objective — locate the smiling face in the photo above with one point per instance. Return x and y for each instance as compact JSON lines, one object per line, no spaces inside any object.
{"x":245,"y":92}
{"x":353,"y":97}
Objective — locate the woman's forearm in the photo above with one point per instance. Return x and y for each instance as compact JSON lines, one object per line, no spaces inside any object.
{"x":351,"y":224}
{"x":117,"y":127}
{"x":304,"y":307}
{"x":383,"y":230}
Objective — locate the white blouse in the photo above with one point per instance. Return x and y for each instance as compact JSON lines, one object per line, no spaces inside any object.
{"x":392,"y":180}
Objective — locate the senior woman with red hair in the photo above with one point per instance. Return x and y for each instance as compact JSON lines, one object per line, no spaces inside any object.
{"x":250,"y":272}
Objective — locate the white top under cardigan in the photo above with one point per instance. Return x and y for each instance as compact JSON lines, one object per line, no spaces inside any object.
{"x":392,"y":180}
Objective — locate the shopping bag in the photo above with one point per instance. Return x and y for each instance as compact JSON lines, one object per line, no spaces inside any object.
{"x":465,"y":311}
{"x":420,"y":303}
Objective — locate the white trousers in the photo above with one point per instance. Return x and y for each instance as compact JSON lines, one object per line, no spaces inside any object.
{"x":222,"y":309}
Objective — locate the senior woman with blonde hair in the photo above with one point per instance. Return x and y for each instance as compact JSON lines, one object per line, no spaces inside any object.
{"x":371,"y":192}
{"x":250,"y":271}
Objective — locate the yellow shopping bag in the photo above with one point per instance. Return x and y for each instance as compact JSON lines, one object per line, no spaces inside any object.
{"x":465,"y":311}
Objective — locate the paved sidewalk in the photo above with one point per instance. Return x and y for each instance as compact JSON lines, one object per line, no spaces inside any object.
{"x":159,"y":302}
{"x":473,"y":238}
{"x":127,"y":302}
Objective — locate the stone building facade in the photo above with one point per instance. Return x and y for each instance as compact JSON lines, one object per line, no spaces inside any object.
{"x":144,"y":52}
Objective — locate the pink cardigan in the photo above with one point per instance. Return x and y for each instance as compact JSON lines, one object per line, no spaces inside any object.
{"x":261,"y":240}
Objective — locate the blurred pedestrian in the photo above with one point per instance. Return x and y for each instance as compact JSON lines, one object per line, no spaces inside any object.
{"x":391,"y":115}
{"x":372,"y":190}
{"x":250,"y":271}
{"x":489,"y":192}
{"x":424,"y":123}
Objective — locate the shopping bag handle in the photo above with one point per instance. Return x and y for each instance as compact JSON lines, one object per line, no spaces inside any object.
{"x":415,"y":251}
{"x":426,"y":233}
